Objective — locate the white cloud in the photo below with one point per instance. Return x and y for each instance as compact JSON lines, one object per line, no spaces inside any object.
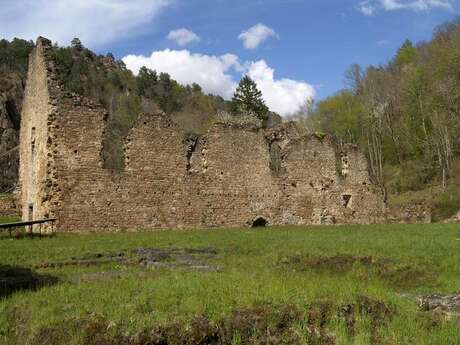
{"x":416,"y":5}
{"x":284,"y":96}
{"x":255,"y":35}
{"x":370,"y":7}
{"x":211,"y":72}
{"x":367,"y":8}
{"x":94,"y":22}
{"x":216,"y":74}
{"x":183,"y":36}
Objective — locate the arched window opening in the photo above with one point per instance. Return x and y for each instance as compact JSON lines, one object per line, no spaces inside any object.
{"x":259,"y":223}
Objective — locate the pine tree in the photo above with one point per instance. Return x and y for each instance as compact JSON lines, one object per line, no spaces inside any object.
{"x":76,"y":44}
{"x":248,"y":99}
{"x":146,"y":82}
{"x":406,"y":54}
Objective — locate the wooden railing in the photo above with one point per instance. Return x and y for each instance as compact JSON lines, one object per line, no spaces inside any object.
{"x":10,"y":226}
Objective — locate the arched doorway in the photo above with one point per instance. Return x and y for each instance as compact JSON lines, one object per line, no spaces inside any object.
{"x":259,"y":222}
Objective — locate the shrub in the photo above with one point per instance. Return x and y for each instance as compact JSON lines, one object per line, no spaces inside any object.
{"x":447,"y":203}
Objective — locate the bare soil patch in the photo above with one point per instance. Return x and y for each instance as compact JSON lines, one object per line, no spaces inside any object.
{"x":193,"y":258}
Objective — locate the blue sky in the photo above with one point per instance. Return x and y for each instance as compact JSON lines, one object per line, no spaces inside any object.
{"x":308,"y":43}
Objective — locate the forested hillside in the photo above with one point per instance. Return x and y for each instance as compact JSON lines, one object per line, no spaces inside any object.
{"x":14,"y":57}
{"x":125,"y":96}
{"x":107,"y":81}
{"x":406,"y":116}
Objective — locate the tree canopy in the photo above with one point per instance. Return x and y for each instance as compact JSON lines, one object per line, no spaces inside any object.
{"x":248,"y":99}
{"x":405,"y":115}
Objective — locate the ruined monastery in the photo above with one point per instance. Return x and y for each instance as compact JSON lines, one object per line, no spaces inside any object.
{"x":235,"y":175}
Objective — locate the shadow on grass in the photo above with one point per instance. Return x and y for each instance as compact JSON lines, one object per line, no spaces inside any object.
{"x":16,"y":278}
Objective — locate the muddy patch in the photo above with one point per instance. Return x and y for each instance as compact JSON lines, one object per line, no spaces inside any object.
{"x":380,"y":314}
{"x":192,"y":258}
{"x":398,"y":276}
{"x":15,"y":278}
{"x":265,"y":324}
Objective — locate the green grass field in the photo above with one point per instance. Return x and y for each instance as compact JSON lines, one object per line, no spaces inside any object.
{"x":339,"y":285}
{"x":9,"y":219}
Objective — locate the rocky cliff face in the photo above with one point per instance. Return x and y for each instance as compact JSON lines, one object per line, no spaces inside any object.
{"x":14,"y":57}
{"x":11,"y":95}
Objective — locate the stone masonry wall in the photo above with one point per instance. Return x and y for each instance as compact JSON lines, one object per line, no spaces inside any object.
{"x":33,"y":152}
{"x":229,"y":177}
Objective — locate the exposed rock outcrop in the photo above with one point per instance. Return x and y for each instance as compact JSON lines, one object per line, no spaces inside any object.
{"x":11,"y":95}
{"x":447,"y":306}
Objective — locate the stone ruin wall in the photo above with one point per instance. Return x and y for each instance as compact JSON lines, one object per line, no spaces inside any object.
{"x":33,"y":150}
{"x":225,"y":178}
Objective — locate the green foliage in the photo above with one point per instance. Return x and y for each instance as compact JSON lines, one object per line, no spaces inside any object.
{"x":411,"y":175}
{"x":14,"y":55}
{"x":319,"y":135}
{"x":405,"y":115}
{"x":169,"y":93}
{"x":85,"y":73}
{"x":247,"y":99}
{"x":125,"y":112}
{"x":340,"y":115}
{"x":197,"y":111}
{"x":76,"y":44}
{"x":146,"y":82}
{"x":125,"y":96}
{"x":446,"y":204}
{"x":406,"y":54}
